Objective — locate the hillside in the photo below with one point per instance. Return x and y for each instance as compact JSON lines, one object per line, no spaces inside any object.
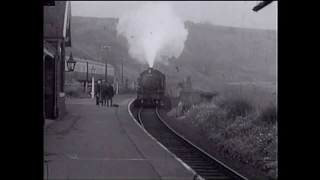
{"x":213,"y":55}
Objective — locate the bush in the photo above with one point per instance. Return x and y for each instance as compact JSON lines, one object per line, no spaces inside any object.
{"x":235,"y":107}
{"x":239,"y":130}
{"x":178,"y":111}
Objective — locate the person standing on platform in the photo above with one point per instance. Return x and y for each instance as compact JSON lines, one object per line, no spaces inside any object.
{"x":104,"y":93}
{"x":110,"y":94}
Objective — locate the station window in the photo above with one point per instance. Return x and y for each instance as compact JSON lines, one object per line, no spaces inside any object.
{"x":84,"y":67}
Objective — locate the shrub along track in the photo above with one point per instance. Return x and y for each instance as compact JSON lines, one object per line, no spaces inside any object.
{"x":202,"y":163}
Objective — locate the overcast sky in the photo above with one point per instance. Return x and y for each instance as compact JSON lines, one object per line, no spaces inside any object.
{"x":226,"y":13}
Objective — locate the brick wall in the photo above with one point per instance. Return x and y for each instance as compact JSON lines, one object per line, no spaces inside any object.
{"x":53,"y":19}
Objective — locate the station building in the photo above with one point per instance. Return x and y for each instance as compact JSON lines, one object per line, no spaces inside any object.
{"x":56,"y":38}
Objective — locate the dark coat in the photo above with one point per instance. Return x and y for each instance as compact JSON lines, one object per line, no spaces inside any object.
{"x":97,"y":89}
{"x":107,"y":91}
{"x":110,"y":91}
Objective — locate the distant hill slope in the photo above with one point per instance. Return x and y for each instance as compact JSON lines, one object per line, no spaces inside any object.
{"x":213,"y":55}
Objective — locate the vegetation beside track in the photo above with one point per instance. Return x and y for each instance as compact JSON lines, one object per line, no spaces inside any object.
{"x":238,"y":128}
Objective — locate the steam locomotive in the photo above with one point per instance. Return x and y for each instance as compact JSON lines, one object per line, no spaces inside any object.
{"x":151,"y":88}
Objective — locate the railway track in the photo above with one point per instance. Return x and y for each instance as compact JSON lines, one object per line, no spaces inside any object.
{"x":205,"y":166}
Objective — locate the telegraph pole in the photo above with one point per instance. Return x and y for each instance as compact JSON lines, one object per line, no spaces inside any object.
{"x":121,"y":71}
{"x":106,"y":69}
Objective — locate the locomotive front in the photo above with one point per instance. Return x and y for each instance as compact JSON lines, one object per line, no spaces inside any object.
{"x":151,"y":87}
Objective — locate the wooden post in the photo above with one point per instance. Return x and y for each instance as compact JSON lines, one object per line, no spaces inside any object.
{"x":87,"y":78}
{"x":62,"y":66}
{"x":106,"y":73}
{"x":92,"y":88}
{"x":122,"y":71}
{"x":117,"y":91}
{"x":56,"y":78}
{"x":43,"y":89}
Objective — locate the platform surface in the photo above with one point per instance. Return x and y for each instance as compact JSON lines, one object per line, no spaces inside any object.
{"x":98,"y":142}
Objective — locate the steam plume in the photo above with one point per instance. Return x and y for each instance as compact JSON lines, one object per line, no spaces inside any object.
{"x":153,"y":32}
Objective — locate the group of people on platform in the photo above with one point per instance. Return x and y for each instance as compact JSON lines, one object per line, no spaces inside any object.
{"x":104,"y":94}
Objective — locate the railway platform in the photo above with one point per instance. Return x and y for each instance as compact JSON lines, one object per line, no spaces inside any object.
{"x":98,"y":142}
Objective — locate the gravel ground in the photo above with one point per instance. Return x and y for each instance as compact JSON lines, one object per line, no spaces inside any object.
{"x":195,"y":136}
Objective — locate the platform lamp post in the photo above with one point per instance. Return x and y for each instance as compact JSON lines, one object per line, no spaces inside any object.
{"x":71,"y":63}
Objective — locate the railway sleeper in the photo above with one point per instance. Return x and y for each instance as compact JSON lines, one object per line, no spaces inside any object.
{"x":184,"y":155}
{"x":167,"y":139}
{"x":187,"y":153}
{"x":204,"y":174}
{"x":155,"y":125}
{"x":213,"y":171}
{"x":201,"y":167}
{"x":159,"y":133}
{"x":209,"y":173}
{"x":197,"y":159}
{"x":171,"y":140}
{"x":181,"y":154}
{"x":168,"y":143}
{"x":199,"y":164}
{"x":179,"y":150}
{"x":192,"y":161}
{"x":178,"y":145}
{"x":154,"y":128}
{"x":191,"y":158}
{"x":188,"y":156}
{"x":175,"y":148}
{"x":164,"y":134}
{"x":215,"y":177}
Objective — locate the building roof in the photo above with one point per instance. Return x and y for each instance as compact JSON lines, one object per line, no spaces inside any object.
{"x":48,"y":49}
{"x":67,"y":26}
{"x":261,"y":5}
{"x":57,"y":21}
{"x":89,"y":61}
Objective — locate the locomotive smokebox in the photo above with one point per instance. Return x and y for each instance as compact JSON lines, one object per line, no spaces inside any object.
{"x":150,"y":70}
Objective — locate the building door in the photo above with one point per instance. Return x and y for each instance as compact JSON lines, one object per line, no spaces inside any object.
{"x":49,"y":87}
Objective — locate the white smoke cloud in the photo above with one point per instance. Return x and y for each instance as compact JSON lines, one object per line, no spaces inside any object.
{"x":153,"y":32}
